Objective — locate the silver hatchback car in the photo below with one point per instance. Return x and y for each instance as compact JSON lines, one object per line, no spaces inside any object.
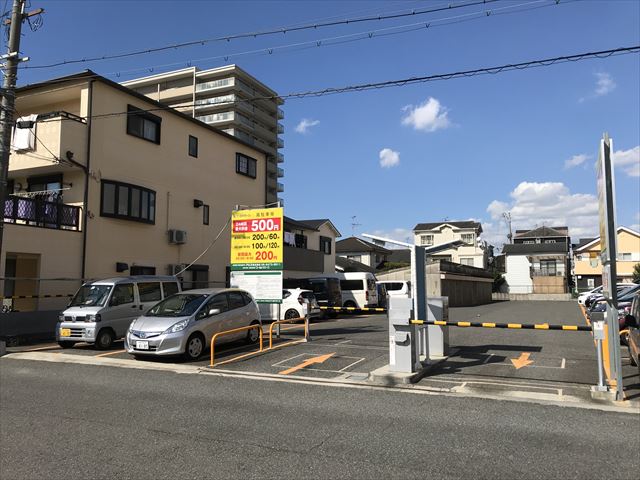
{"x":184,"y":323}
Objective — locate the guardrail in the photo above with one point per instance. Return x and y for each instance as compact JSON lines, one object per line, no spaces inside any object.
{"x":291,"y":320}
{"x":229,"y":332}
{"x":522,"y":326}
{"x":355,"y":309}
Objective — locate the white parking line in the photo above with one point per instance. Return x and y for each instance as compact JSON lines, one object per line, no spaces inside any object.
{"x":352,"y":364}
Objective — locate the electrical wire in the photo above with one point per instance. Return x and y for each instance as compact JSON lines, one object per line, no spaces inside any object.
{"x":546,"y":62}
{"x":206,"y":249}
{"x":281,"y":30}
{"x":359,"y":36}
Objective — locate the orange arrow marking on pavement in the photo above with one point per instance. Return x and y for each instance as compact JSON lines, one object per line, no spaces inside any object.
{"x":521,"y":361}
{"x":306,"y":363}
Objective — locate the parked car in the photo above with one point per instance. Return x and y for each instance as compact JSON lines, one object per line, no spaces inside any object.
{"x":632,"y":323}
{"x":184,"y":323}
{"x":291,"y":306}
{"x":621,"y":289}
{"x":399,"y":288}
{"x":625,"y":297}
{"x":101,"y":311}
{"x":358,"y":290}
{"x":382,"y":295}
{"x":582,"y":298}
{"x":326,"y":290}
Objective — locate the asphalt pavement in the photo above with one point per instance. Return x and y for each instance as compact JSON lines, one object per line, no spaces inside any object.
{"x":81,"y":421}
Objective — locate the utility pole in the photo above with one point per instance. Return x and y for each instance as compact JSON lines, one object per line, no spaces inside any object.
{"x":507,"y":217}
{"x":12,"y":59}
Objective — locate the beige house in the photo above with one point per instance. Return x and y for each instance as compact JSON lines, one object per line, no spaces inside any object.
{"x":114,"y":183}
{"x":359,"y":250}
{"x":473,"y":253}
{"x":230,"y":99}
{"x":309,"y":247}
{"x":587,"y":268}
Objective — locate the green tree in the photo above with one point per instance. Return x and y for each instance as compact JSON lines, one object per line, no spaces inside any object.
{"x":636,"y":273}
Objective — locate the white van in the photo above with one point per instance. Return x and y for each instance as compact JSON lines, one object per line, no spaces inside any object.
{"x":397,"y":288}
{"x":358,"y":290}
{"x":102,"y":310}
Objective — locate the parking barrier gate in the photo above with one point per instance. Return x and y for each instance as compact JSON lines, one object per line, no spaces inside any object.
{"x":228,"y":332}
{"x":354,"y":309}
{"x":522,"y":326}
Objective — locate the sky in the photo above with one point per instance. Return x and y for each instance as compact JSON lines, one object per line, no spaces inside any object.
{"x":522,"y":141}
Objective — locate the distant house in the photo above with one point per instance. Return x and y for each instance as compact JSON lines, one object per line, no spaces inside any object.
{"x":587,"y":268}
{"x":538,"y":261}
{"x":473,"y":253}
{"x":309,"y":247}
{"x":360,"y":250}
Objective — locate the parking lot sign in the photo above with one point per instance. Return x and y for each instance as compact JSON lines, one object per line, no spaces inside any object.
{"x":257,"y":252}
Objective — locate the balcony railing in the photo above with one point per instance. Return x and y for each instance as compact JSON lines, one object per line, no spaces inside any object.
{"x":40,"y":213}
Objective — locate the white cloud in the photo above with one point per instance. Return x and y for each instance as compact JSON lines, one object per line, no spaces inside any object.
{"x":604,"y":84}
{"x":628,"y":161}
{"x":389,"y":158}
{"x":550,"y":203}
{"x":428,"y":116}
{"x":305,"y":124}
{"x":576,"y":160}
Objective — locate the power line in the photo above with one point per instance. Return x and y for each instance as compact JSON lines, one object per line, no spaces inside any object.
{"x":546,"y":62}
{"x":282,"y":30}
{"x":363,"y":35}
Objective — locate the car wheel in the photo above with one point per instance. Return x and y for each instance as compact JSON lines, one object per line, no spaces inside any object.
{"x":253,"y":335}
{"x":66,"y":344}
{"x":291,"y":313}
{"x":104,"y":339}
{"x":350,"y":304}
{"x":194,"y":347}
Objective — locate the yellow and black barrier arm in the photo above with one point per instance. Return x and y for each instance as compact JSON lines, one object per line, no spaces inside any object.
{"x":17,"y":297}
{"x":355,"y":309}
{"x":518,"y":326}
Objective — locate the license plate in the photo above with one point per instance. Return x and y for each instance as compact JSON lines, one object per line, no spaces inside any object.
{"x":142,"y":345}
{"x":65,"y":332}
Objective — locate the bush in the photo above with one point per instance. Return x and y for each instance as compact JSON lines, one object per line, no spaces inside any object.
{"x":636,"y":273}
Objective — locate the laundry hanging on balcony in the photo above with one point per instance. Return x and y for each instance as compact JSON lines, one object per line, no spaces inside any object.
{"x":24,"y":138}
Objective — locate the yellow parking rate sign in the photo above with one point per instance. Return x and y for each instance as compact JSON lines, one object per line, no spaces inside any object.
{"x":256,"y":239}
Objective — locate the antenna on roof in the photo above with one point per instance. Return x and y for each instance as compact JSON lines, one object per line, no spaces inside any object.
{"x":354,"y":224}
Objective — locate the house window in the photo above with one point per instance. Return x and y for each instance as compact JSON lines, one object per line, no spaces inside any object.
{"x":355,"y":258}
{"x":549,"y":241}
{"x":548,"y":268}
{"x":625,"y":257}
{"x":143,"y":124}
{"x":205,"y":214}
{"x":246,"y":165}
{"x":468,"y":238}
{"x":528,"y":242}
{"x":140,"y":270}
{"x":129,"y":202}
{"x":591,"y":282}
{"x":193,"y":146}
{"x":467,"y":261}
{"x":426,"y":239}
{"x":325,"y":245}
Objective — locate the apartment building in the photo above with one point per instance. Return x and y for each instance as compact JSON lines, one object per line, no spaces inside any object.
{"x":309,"y":247}
{"x":474,"y":252}
{"x":587,"y":268}
{"x":113,"y":183}
{"x":230,"y":99}
{"x":538,"y":261}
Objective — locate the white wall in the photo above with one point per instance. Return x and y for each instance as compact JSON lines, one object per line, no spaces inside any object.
{"x":518,"y":275}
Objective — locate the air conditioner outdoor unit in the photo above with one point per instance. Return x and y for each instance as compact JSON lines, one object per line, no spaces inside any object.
{"x":177,"y":236}
{"x":174,"y":268}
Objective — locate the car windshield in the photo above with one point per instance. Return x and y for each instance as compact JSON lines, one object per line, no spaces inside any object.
{"x":91,"y":296}
{"x":179,"y":305}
